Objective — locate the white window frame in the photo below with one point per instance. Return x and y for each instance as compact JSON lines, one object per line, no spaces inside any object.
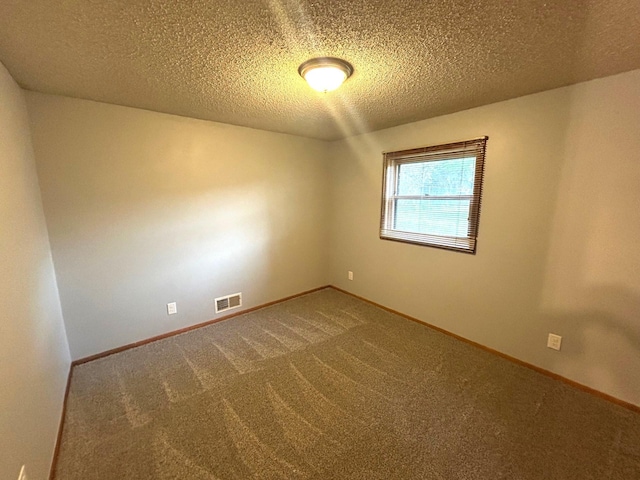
{"x":451,"y":151}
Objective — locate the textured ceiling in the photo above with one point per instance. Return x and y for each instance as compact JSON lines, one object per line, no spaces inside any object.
{"x":236,"y":61}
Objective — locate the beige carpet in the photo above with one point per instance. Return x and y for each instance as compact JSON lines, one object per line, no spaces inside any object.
{"x":328,"y":387}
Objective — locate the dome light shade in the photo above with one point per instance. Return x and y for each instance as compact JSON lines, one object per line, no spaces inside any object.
{"x":325,"y":74}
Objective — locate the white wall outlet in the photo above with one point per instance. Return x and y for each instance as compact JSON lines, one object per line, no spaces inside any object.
{"x":172,"y":308}
{"x":23,"y":473}
{"x":350,"y":275}
{"x":554,"y":341}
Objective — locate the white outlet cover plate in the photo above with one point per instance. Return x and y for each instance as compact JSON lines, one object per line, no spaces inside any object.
{"x":172,"y":308}
{"x":554,"y":341}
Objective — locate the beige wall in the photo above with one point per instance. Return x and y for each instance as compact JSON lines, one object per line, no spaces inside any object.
{"x":145,"y":209}
{"x":559,"y":229}
{"x":34,"y":357}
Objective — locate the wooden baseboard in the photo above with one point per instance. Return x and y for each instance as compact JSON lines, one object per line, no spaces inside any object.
{"x":188,"y":329}
{"x":631,"y":406}
{"x":592,"y":391}
{"x":56,"y":450}
{"x":80,"y":361}
{"x":548,"y":373}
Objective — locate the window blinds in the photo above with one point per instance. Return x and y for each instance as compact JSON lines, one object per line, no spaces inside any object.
{"x":431,"y":195}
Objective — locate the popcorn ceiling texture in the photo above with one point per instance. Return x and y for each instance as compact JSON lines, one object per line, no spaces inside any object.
{"x":236,"y":61}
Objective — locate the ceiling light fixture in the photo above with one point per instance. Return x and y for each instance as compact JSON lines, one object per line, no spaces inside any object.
{"x":325,"y":74}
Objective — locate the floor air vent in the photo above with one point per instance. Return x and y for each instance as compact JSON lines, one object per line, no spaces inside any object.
{"x":228,"y":302}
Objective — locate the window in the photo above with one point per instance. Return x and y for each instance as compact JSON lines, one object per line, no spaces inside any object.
{"x":431,"y":195}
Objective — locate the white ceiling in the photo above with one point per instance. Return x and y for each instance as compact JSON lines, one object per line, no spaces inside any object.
{"x":236,"y":61}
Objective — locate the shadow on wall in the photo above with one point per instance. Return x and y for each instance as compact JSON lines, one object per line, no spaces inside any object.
{"x":601,"y":349}
{"x":592,"y":277}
